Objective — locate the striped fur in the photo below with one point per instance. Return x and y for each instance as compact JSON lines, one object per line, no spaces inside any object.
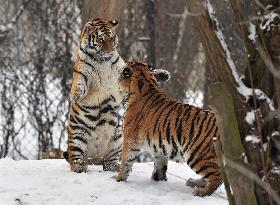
{"x":167,"y":129}
{"x":94,"y":134}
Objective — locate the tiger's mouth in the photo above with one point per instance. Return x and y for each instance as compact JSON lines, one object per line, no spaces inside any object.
{"x":105,"y":53}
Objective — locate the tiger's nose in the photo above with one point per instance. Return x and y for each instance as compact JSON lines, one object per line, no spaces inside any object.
{"x":107,"y":45}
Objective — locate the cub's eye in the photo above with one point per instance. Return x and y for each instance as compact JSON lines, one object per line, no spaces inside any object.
{"x":126,"y":73}
{"x":151,"y":67}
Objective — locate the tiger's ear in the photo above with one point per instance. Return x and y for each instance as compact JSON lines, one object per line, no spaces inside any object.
{"x":161,"y":75}
{"x":88,"y":27}
{"x":114,"y":23}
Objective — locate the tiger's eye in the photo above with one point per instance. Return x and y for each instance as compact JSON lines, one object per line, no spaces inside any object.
{"x":90,"y":41}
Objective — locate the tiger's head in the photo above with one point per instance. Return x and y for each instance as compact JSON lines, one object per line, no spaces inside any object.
{"x":98,"y":38}
{"x":140,"y":77}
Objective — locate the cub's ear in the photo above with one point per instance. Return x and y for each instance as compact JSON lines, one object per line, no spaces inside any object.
{"x":114,"y":23}
{"x":161,"y":75}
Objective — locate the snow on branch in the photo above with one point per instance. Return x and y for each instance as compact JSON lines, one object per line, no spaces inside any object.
{"x":253,"y":33}
{"x":252,"y":138}
{"x":241,"y":87}
{"x":270,"y":21}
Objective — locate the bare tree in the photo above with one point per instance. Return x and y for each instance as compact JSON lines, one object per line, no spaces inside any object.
{"x":37,"y":42}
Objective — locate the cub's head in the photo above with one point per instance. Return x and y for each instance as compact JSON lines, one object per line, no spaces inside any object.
{"x":99,"y":38}
{"x":139,"y":77}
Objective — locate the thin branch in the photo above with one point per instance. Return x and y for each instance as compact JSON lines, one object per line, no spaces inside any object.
{"x":267,"y":60}
{"x":259,"y":5}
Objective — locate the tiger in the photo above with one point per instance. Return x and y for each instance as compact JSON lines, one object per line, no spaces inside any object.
{"x":94,"y":130}
{"x":167,"y":129}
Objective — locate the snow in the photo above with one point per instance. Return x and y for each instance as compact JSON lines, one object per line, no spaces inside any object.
{"x":250,"y":117}
{"x":275,"y":133}
{"x":47,"y":182}
{"x":252,"y":30}
{"x":265,"y":145}
{"x":252,"y":138}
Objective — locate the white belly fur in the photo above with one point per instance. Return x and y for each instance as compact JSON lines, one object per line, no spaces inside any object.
{"x":99,"y":143}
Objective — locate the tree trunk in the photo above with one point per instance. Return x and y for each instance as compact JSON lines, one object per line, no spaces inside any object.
{"x":221,"y":104}
{"x":215,"y":55}
{"x":105,"y":9}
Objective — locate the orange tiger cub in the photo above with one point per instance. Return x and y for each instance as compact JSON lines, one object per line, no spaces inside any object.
{"x":167,"y":129}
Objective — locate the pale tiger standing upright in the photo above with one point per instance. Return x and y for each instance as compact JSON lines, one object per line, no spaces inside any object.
{"x":167,"y":129}
{"x":94,"y":134}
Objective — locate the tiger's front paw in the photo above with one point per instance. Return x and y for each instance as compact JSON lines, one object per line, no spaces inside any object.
{"x":119,"y":178}
{"x":76,"y":95}
{"x":74,"y":98}
{"x":78,"y":167}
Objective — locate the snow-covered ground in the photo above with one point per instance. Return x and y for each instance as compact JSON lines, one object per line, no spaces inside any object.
{"x":50,"y":182}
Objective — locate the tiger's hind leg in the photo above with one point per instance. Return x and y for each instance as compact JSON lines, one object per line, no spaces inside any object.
{"x":111,"y":161}
{"x":160,"y":168}
{"x":77,"y":149}
{"x":211,"y":174}
{"x":213,"y":183}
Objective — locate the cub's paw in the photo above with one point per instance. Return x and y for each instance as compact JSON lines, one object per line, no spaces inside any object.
{"x":196,"y":182}
{"x":159,"y":176}
{"x":79,"y":168}
{"x":118,"y":178}
{"x":111,"y":167}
